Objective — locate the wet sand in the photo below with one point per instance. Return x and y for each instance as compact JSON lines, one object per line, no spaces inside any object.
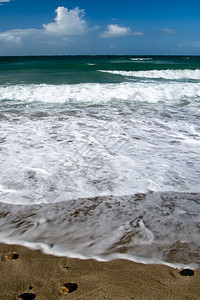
{"x":35,"y":275}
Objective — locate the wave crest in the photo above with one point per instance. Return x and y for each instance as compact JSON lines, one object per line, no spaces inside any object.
{"x":102,"y":93}
{"x":164,"y":74}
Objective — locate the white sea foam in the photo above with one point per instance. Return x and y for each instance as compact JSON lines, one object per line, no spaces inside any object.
{"x":4,"y":190}
{"x":102,"y":152}
{"x":164,"y":74}
{"x":101,"y":93}
{"x":60,"y":252}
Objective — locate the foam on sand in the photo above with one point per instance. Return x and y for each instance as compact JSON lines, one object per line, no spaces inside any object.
{"x":107,"y":228}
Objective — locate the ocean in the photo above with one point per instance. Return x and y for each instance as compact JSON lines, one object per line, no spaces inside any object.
{"x":100,"y":156}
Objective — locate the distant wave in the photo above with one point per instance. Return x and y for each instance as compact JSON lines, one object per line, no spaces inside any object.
{"x":165,"y":74}
{"x":141,"y":59}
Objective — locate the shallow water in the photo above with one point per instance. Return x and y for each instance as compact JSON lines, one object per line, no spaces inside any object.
{"x":153,"y":227}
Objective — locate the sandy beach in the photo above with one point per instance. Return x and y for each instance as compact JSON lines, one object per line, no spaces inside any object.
{"x":30,"y":274}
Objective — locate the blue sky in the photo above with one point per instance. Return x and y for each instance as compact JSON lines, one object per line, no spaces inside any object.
{"x":54,"y":27}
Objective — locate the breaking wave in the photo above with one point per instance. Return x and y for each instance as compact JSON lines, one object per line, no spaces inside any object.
{"x":97,"y":93}
{"x":164,"y":74}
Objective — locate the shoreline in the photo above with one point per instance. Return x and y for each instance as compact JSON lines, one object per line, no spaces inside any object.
{"x":44,"y":276}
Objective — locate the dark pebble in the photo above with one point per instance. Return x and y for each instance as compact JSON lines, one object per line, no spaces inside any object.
{"x":69,"y":287}
{"x":11,"y":256}
{"x":27,"y":296}
{"x":187,"y":272}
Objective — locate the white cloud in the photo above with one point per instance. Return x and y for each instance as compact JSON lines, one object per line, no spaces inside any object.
{"x":2,"y":2}
{"x":65,"y":34}
{"x":168,"y":31}
{"x":12,"y":36}
{"x":194,"y":44}
{"x":137,"y":33}
{"x":114,"y":30}
{"x":68,"y":22}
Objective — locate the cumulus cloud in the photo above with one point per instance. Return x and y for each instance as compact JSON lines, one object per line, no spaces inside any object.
{"x":168,"y":31}
{"x":65,"y":34}
{"x":114,"y":30}
{"x":3,"y":1}
{"x":68,"y":22}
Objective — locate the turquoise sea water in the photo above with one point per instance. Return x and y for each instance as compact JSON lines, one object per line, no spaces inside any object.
{"x":99,"y":156}
{"x":84,"y":69}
